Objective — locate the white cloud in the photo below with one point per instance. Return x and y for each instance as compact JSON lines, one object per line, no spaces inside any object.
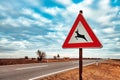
{"x":9,"y":21}
{"x":59,"y":27}
{"x":116,"y":39}
{"x":87,"y":2}
{"x":2,"y":8}
{"x":38,"y":37}
{"x":58,"y":36}
{"x":116,"y":22}
{"x":27,"y":11}
{"x":104,"y":4}
{"x":112,"y":35}
{"x":18,"y":22}
{"x":35,"y":15}
{"x":103,"y":15}
{"x":108,"y":30}
{"x":25,"y":21}
{"x":53,"y":11}
{"x":4,"y":40}
{"x":105,"y":19}
{"x":51,"y":35}
{"x":18,"y":45}
{"x":65,"y":2}
{"x":19,"y":54}
{"x":74,"y":9}
{"x":33,"y":2}
{"x":118,"y":44}
{"x":118,"y":14}
{"x":95,"y":31}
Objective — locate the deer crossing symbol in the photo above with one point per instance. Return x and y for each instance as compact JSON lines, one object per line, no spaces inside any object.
{"x":80,"y":35}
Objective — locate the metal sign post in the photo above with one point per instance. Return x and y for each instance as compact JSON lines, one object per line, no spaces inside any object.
{"x":80,"y":63}
{"x":81,"y":36}
{"x":80,"y":60}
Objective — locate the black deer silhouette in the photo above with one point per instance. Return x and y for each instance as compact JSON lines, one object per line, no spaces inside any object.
{"x":80,"y":36}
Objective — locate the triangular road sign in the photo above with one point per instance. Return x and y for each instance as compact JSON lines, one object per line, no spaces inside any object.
{"x":81,"y":35}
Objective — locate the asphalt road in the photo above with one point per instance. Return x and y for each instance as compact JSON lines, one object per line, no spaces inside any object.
{"x":37,"y":70}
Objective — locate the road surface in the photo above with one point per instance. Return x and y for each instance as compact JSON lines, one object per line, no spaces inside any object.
{"x":37,"y":70}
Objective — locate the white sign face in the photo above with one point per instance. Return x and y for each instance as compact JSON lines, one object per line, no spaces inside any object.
{"x":80,"y":35}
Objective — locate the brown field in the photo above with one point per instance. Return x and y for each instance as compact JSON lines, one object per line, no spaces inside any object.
{"x":107,"y":70}
{"x":16,"y":61}
{"x":31,"y":60}
{"x":12,"y":61}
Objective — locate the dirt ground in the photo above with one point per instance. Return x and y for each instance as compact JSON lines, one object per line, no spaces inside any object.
{"x":30,"y":60}
{"x":16,"y":61}
{"x":12,"y":61}
{"x":107,"y":70}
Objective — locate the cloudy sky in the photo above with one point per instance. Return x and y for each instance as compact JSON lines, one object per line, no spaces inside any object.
{"x":29,"y":25}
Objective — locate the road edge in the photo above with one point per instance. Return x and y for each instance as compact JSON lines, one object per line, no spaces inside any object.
{"x":58,"y":72}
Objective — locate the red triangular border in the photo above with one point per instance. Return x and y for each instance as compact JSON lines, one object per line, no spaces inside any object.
{"x":94,"y":44}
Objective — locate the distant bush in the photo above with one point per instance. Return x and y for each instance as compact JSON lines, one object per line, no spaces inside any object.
{"x":26,"y":57}
{"x":41,"y":55}
{"x":58,"y":56}
{"x":66,"y":58}
{"x":54,"y":57}
{"x":33,"y":58}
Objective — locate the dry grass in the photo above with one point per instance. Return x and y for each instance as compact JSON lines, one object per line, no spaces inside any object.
{"x":30,"y":60}
{"x":107,"y":70}
{"x":16,"y":61}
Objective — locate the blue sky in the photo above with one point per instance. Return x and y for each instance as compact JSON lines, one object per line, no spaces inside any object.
{"x":29,"y":25}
